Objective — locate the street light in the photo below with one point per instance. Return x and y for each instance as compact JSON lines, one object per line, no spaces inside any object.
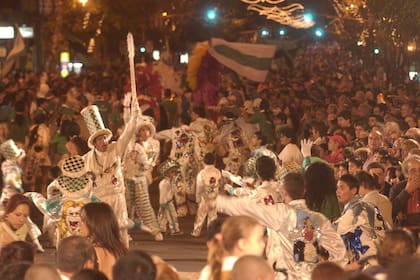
{"x":83,"y":2}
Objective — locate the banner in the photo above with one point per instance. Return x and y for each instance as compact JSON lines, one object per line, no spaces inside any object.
{"x":252,"y":61}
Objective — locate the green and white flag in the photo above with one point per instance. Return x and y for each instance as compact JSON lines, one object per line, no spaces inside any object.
{"x":249,"y":60}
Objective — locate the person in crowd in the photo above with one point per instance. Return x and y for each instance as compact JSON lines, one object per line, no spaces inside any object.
{"x":252,"y":268}
{"x":258,"y":147}
{"x":320,"y":190}
{"x":205,"y":132}
{"x":15,"y":271}
{"x":11,"y":169}
{"x":296,"y":254}
{"x":378,"y":170}
{"x":355,"y":165}
{"x":375,"y":141}
{"x":73,"y":254}
{"x":397,"y":244}
{"x":335,"y":148}
{"x":135,"y":265}
{"x":103,"y":161}
{"x":139,"y":161}
{"x":164,"y":271}
{"x":290,"y":156}
{"x":369,"y":191}
{"x":37,"y":160}
{"x":99,"y":223}
{"x":184,"y":152}
{"x":266,"y":190}
{"x":405,"y":268}
{"x":406,"y":194}
{"x":213,"y":237}
{"x":14,"y":224}
{"x":42,"y":272}
{"x":359,"y":225}
{"x":327,"y":271}
{"x":16,"y":251}
{"x":208,"y":185}
{"x":240,"y":236}
{"x":89,"y":274}
{"x":167,"y":215}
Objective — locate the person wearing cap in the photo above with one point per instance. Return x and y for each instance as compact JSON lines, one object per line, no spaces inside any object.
{"x":167,"y":216}
{"x":103,"y":161}
{"x":335,"y":147}
{"x":138,"y":163}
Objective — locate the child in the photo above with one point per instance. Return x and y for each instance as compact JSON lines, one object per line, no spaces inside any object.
{"x":167,"y":213}
{"x":208,"y":183}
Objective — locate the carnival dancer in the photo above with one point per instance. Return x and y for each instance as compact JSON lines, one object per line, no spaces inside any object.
{"x":139,"y":160}
{"x":204,"y":130}
{"x":298,"y":238}
{"x":183,"y":151}
{"x":266,"y":190}
{"x":258,"y":147}
{"x":167,"y":215}
{"x":12,"y":182}
{"x":104,"y":162}
{"x":361,"y":224}
{"x":208,"y":184}
{"x":66,"y":195}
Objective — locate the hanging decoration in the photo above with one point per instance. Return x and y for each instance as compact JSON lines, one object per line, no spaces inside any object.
{"x":291,"y":15}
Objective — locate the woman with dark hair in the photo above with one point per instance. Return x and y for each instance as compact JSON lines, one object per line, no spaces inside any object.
{"x":14,"y":223}
{"x":100,"y":225}
{"x":320,"y":190}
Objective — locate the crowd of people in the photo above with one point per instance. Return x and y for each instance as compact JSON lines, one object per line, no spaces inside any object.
{"x":318,"y":169}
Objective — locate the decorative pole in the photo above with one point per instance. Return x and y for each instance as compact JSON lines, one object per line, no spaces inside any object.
{"x":131,"y":53}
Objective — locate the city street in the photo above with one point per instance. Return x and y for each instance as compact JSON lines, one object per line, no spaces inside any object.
{"x":186,"y":253}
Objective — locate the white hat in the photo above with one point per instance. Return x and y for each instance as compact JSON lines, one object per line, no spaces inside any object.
{"x":73,"y":167}
{"x":146,"y":121}
{"x":10,"y":151}
{"x":94,"y":124}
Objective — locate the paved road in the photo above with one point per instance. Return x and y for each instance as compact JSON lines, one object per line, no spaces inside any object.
{"x":186,"y":253}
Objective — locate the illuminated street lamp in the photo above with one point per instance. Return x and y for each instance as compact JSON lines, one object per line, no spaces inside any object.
{"x":83,"y":2}
{"x":411,"y":48}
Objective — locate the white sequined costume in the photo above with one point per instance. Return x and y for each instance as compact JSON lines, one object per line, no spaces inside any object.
{"x":139,"y":161}
{"x":167,"y":215}
{"x":108,"y":180}
{"x":208,"y":184}
{"x":294,"y":234}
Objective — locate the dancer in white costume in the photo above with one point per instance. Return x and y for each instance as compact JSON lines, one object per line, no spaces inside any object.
{"x":104,"y":162}
{"x":12,"y":182}
{"x":141,"y":156}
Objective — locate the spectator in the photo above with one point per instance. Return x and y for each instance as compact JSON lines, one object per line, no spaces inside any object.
{"x":320,"y":190}
{"x":406,"y":194}
{"x":406,"y":268}
{"x":397,"y":244}
{"x":252,"y":268}
{"x":14,"y":223}
{"x":73,"y":254}
{"x":14,"y":271}
{"x":42,"y":272}
{"x":135,"y":265}
{"x":378,"y":170}
{"x":99,"y":223}
{"x":16,"y":251}
{"x":240,"y":235}
{"x":88,"y":274}
{"x":327,"y":271}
